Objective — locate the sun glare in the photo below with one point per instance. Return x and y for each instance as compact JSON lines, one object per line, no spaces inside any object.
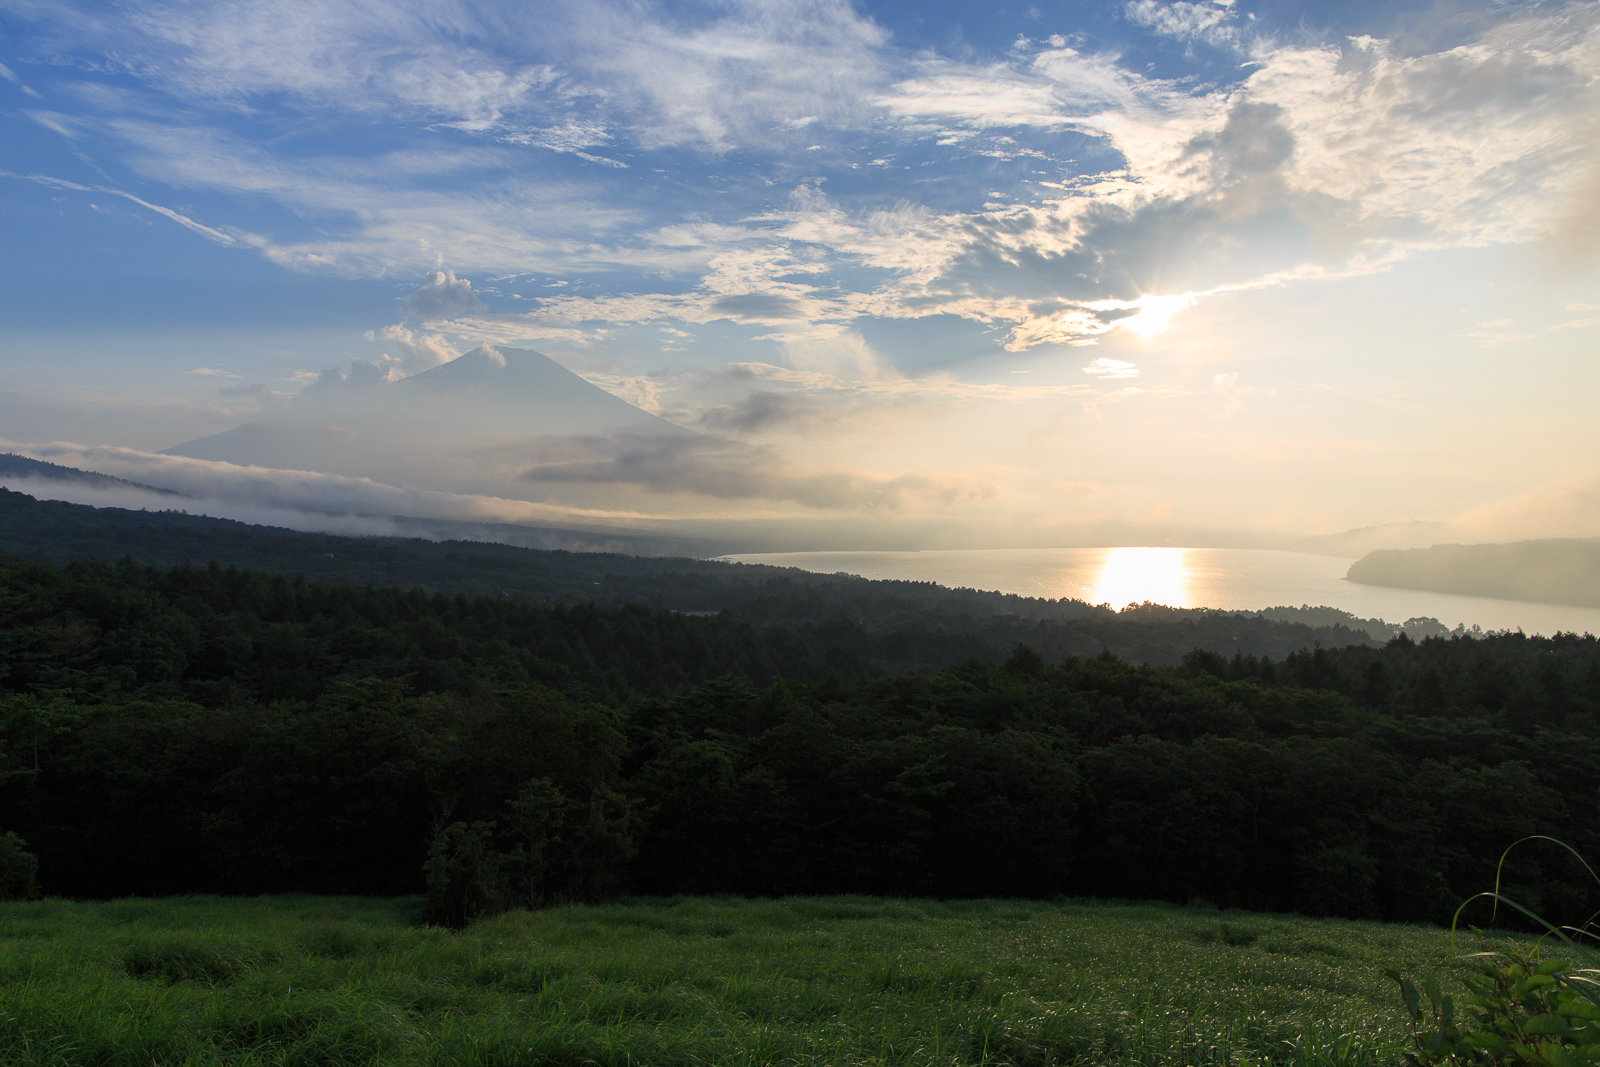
{"x":1134,"y":575}
{"x":1155,"y":313}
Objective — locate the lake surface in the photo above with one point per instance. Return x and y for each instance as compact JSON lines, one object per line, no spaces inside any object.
{"x":1232,"y":578}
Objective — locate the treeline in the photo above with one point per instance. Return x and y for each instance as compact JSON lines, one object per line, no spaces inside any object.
{"x":208,"y":730}
{"x":92,"y":631}
{"x":926,"y":616}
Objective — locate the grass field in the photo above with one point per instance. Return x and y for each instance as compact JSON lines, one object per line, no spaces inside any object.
{"x":844,"y":980}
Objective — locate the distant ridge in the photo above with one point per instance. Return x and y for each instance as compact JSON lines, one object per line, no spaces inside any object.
{"x":49,"y":483}
{"x":1353,"y":544}
{"x":917,"y":626}
{"x":59,"y":531}
{"x":14,"y":466}
{"x":1553,"y":571}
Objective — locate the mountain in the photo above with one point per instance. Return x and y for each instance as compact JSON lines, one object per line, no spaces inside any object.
{"x":1551,"y":571}
{"x":536,"y":389}
{"x":466,"y":425}
{"x":1352,"y":544}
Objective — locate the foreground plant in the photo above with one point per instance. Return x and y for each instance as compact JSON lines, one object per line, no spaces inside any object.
{"x":1520,"y":1007}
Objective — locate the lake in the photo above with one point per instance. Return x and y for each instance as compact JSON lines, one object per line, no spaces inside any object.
{"x":1232,"y":578}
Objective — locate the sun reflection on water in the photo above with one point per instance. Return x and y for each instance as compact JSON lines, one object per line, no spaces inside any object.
{"x":1134,"y":575}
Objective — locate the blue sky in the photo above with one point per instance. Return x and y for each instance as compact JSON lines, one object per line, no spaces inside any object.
{"x":1257,"y":266}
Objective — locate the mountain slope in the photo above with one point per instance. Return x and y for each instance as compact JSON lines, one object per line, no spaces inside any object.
{"x":467,"y":422}
{"x":21,"y":470}
{"x":906,"y":625}
{"x":1353,"y":544}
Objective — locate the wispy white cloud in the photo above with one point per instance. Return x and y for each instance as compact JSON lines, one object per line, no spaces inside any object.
{"x":231,"y":238}
{"x":1326,"y":159}
{"x":1207,"y":21}
{"x":11,"y":76}
{"x":699,"y":75}
{"x":1495,"y":338}
{"x":996,"y":96}
{"x":1111,"y":368}
{"x":403,"y":220}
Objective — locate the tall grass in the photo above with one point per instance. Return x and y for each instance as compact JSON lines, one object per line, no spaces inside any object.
{"x":1522,"y":1004}
{"x":839,"y":981}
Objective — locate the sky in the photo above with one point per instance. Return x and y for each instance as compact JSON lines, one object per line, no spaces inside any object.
{"x":940,"y":274}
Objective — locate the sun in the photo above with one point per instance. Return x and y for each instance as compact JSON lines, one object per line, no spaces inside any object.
{"x":1155,"y":313}
{"x":1135,"y":575}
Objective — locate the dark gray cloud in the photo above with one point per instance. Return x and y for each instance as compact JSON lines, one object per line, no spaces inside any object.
{"x":1254,"y":142}
{"x":444,"y":296}
{"x":760,"y":306}
{"x":1242,"y":221}
{"x":764,"y":410}
{"x":1043,"y":308}
{"x":364,"y":374}
{"x":729,"y":470}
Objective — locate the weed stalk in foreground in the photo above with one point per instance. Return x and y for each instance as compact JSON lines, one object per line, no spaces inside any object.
{"x":1520,"y":1007}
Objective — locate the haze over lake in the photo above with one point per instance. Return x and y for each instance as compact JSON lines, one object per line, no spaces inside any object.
{"x":1233,"y":579}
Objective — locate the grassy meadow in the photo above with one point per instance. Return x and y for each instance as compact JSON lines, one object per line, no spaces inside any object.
{"x":838,"y":980}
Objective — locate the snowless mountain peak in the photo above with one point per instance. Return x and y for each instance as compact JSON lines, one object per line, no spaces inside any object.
{"x":470,"y":421}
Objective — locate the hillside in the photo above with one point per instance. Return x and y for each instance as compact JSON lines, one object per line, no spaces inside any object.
{"x":13,"y":467}
{"x":903,"y":625}
{"x":1556,"y":571}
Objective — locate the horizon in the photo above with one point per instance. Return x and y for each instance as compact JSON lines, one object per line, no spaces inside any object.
{"x":1219,"y":273}
{"x":1543,"y":587}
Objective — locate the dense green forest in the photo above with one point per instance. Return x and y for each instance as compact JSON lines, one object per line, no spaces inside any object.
{"x":202,"y":728}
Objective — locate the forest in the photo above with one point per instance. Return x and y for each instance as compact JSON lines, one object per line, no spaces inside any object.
{"x":210,"y":729}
